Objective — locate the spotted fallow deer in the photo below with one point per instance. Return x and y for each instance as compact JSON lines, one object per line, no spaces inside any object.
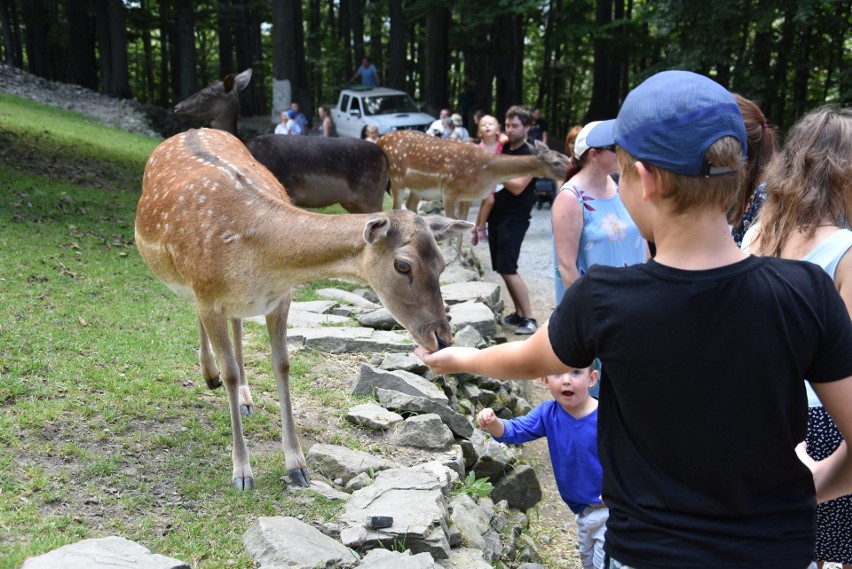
{"x":457,"y":172}
{"x":217,"y":228}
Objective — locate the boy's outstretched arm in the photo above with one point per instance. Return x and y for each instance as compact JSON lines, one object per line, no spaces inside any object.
{"x":489,"y":421}
{"x":833,"y":476}
{"x":530,"y":359}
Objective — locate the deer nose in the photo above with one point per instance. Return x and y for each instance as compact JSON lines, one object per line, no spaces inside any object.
{"x":442,"y":343}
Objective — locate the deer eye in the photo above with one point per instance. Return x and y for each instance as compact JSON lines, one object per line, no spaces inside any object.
{"x":402,"y":266}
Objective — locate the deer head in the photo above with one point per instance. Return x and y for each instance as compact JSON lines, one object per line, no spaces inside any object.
{"x":555,"y":163}
{"x":219,"y":102}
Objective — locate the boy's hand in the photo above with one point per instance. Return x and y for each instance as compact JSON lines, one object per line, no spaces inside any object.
{"x":448,"y":360}
{"x":485,"y":418}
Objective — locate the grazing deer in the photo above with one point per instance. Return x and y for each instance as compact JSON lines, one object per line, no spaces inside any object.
{"x":458,"y":172}
{"x":218,"y":103}
{"x":318,"y":172}
{"x":356,"y":176}
{"x":217,"y":228}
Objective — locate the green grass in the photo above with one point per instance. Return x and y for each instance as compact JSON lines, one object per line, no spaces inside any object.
{"x":106,"y":426}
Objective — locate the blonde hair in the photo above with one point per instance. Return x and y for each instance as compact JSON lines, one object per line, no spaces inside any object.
{"x":696,"y":192}
{"x":810,"y":180}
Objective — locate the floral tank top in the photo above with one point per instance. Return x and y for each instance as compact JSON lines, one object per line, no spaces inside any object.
{"x":609,"y":236}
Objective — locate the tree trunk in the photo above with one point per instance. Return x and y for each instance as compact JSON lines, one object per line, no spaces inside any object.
{"x":185,"y":49}
{"x":148,"y":58}
{"x":165,"y":53}
{"x":288,"y":52}
{"x":225,"y":33}
{"x":356,"y":18}
{"x":437,"y":59}
{"x":81,"y":51}
{"x":508,"y":43}
{"x":803,"y":67}
{"x":250,"y":54}
{"x":606,"y":72}
{"x":35,"y":15}
{"x":11,"y":33}
{"x":345,"y":26}
{"x":314,"y":53}
{"x":396,"y":46}
{"x":779,"y":77}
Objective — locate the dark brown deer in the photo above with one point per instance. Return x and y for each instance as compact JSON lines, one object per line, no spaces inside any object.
{"x":218,"y":103}
{"x":318,"y":172}
{"x":315,"y":171}
{"x":218,"y":229}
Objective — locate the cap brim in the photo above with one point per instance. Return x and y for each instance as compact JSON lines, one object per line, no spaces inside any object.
{"x":602,"y":135}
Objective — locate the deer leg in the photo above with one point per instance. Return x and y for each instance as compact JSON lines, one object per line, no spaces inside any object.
{"x":412,"y":202}
{"x":217,"y":327}
{"x":397,"y":196}
{"x":450,"y":207}
{"x":294,"y":458}
{"x":209,"y":371}
{"x":246,"y":402}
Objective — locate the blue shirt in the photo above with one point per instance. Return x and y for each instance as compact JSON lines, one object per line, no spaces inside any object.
{"x":573,"y":449}
{"x":368,"y":75}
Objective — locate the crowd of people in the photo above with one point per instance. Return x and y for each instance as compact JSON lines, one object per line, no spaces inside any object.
{"x":722,"y":360}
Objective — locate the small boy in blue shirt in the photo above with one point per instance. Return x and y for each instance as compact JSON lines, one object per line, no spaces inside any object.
{"x":570,"y":423}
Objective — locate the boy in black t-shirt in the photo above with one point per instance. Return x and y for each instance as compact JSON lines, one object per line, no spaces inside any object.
{"x":704,"y":351}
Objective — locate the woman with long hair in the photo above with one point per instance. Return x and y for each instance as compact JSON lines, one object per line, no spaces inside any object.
{"x":806,"y":216}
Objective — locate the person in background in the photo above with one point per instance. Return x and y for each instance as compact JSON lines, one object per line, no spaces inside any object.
{"x":570,"y":423}
{"x":762,"y":147}
{"x":538,"y":129}
{"x":570,"y":138}
{"x":704,"y":350}
{"x":458,"y":132}
{"x":509,"y":220}
{"x":326,"y":127}
{"x":437,"y":127}
{"x":372,"y":133}
{"x":300,"y":118}
{"x":288,"y":124}
{"x":489,"y":140}
{"x":806,"y":216}
{"x":590,"y":223}
{"x":367,"y":72}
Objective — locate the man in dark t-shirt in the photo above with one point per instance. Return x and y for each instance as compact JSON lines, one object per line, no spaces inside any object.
{"x":538,"y":128}
{"x":704,"y":352}
{"x":508,"y":223}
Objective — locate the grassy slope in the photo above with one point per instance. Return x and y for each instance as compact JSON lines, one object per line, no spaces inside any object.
{"x":106,"y":426}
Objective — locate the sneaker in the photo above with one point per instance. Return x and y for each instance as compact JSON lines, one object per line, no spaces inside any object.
{"x":529,"y":326}
{"x":513,"y":319}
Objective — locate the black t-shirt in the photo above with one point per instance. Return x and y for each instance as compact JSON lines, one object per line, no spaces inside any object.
{"x":702,"y":403}
{"x":508,"y":205}
{"x":537,"y":129}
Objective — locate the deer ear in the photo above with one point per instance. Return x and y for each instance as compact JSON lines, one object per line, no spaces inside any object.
{"x":243,"y":79}
{"x":228,"y":83}
{"x":445,"y":227}
{"x":376,"y":228}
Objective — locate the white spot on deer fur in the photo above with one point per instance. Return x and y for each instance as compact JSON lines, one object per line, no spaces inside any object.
{"x":202,"y":198}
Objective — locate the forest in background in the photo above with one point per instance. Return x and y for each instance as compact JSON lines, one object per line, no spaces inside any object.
{"x":576,"y":59}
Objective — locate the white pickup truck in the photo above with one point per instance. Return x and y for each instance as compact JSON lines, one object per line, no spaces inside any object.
{"x":388,"y":109}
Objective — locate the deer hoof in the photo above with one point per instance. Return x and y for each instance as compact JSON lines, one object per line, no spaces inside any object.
{"x":300,"y":477}
{"x":246,"y":410}
{"x":244,"y":483}
{"x":214,"y":383}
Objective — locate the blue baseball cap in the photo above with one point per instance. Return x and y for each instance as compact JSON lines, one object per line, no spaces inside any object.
{"x":291,"y":114}
{"x":673,"y":117}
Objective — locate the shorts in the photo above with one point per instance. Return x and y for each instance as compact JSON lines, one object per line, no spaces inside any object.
{"x":504,"y":242}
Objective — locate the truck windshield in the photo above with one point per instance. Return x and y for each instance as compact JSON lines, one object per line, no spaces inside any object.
{"x":387,"y":104}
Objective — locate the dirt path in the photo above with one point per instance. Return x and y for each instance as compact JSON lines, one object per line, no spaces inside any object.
{"x":552,"y":523}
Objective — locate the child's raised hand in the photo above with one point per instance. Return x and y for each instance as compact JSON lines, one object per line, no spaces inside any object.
{"x":485,"y":418}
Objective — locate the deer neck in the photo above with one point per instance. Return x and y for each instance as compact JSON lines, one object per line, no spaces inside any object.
{"x":502,"y":167}
{"x":307,"y":246}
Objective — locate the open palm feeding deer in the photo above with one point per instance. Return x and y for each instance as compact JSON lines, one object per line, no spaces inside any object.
{"x":457,"y":172}
{"x":218,"y":229}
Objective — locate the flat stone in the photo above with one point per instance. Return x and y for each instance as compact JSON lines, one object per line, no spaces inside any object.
{"x":465,"y":558}
{"x":475,"y":314}
{"x":387,"y":559}
{"x":371,"y":379}
{"x":344,"y":339}
{"x":482,"y":291}
{"x":458,"y":423}
{"x":105,"y":553}
{"x":424,"y":431}
{"x":404,"y":361}
{"x":335,"y":461}
{"x":345,"y":297}
{"x":288,"y":542}
{"x":380,"y":319}
{"x":373,"y":416}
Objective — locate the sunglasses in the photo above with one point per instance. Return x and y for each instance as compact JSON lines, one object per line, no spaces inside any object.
{"x":611,"y":148}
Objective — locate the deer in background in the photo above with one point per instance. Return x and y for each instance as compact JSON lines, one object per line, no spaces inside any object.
{"x":218,"y":229}
{"x":356,"y":176}
{"x":457,"y":172}
{"x":218,"y":103}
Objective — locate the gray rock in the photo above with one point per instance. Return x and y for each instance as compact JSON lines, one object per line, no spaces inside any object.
{"x":454,"y":460}
{"x":317,"y":306}
{"x":493,"y":549}
{"x":288,"y":542}
{"x":475,"y":314}
{"x":455,"y":273}
{"x":371,"y":379}
{"x":345,"y":297}
{"x":521,"y":407}
{"x":424,"y":431}
{"x":343,"y":339}
{"x":531,"y":566}
{"x":373,"y":416}
{"x":358,"y":482}
{"x":465,"y":558}
{"x":380,"y":319}
{"x":468,"y":337}
{"x":458,"y":423}
{"x":492,"y":457}
{"x":335,"y":461}
{"x":470,"y":521}
{"x":105,"y":553}
{"x":405,"y":361}
{"x":482,"y":291}
{"x":353,"y":536}
{"x":367,"y":293}
{"x":321,"y":488}
{"x":469,"y":391}
{"x":520,"y":488}
{"x":414,"y":497}
{"x":386,"y":559}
